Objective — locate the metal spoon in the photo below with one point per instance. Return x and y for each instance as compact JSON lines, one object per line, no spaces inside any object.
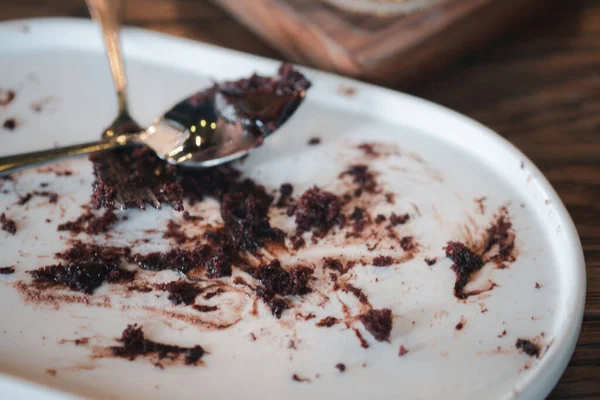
{"x":203,"y":130}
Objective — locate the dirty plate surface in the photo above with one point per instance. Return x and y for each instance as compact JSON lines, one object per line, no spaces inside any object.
{"x":444,"y":177}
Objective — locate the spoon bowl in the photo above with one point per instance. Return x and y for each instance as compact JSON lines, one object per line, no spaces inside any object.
{"x":212,"y":127}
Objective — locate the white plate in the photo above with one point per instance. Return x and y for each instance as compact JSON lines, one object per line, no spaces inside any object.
{"x":461,"y":161}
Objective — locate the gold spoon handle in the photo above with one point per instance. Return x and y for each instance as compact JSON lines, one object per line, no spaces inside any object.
{"x":106,"y":14}
{"x":11,"y":163}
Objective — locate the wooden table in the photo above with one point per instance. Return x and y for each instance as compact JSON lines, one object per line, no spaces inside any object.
{"x":538,"y":87}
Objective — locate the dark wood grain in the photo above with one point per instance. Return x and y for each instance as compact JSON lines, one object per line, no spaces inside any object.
{"x":538,"y":87}
{"x":370,"y":47}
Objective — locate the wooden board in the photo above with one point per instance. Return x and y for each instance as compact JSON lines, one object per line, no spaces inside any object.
{"x":386,"y":50}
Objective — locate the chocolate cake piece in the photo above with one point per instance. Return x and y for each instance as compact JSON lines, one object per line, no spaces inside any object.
{"x":135,"y":177}
{"x":261,"y":104}
{"x":277,"y":282}
{"x":8,"y":224}
{"x":10,"y":124}
{"x":317,"y":209}
{"x":246,"y":220}
{"x":362,"y":177}
{"x":528,"y":347}
{"x":500,"y":234}
{"x":84,"y":278}
{"x":7,"y":270}
{"x":327,"y":322}
{"x":135,"y":344}
{"x":378,"y":323}
{"x":357,"y":292}
{"x":6,"y":97}
{"x":24,"y":199}
{"x":398,"y":219}
{"x":466,"y":263}
{"x":180,"y":292}
{"x":86,"y":267}
{"x":85,"y":253}
{"x":175,"y":259}
{"x":90,"y":223}
{"x":383,"y":261}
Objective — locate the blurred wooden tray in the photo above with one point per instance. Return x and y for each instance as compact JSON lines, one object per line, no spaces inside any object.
{"x":386,"y":50}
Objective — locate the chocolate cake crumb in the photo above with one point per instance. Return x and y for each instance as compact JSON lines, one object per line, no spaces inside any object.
{"x":380,"y":218}
{"x":10,"y":124}
{"x":8,"y":224}
{"x":327,"y":322}
{"x":466,"y":263}
{"x":382,"y":261}
{"x":188,"y":217}
{"x":368,"y":149}
{"x":313,"y":141}
{"x":341,"y":367}
{"x":262,"y":104}
{"x":286,"y":189}
{"x":332,"y":263}
{"x":52,"y":197}
{"x":359,"y":216}
{"x":357,"y":292}
{"x":297,"y":242}
{"x":430,"y":261}
{"x":306,"y":317}
{"x":528,"y":347}
{"x":317,"y":209}
{"x":7,"y":270}
{"x":180,"y":292}
{"x":459,"y":326}
{"x":538,"y":286}
{"x":84,"y":278}
{"x":500,"y":234}
{"x":205,"y":308}
{"x":210,"y":295}
{"x":7,"y":97}
{"x":407,"y":243}
{"x":502,"y":334}
{"x":278,"y":281}
{"x":175,"y":232}
{"x":83,"y":253}
{"x":81,"y":341}
{"x":346,"y":90}
{"x":363,"y":343}
{"x":277,"y":305}
{"x":247,"y":222}
{"x":399,"y":219}
{"x":479,"y":202}
{"x":24,"y":199}
{"x":135,"y":344}
{"x":362,"y":177}
{"x":51,"y":372}
{"x":219,"y":265}
{"x":90,"y":223}
{"x":378,"y":323}
{"x":402,"y":351}
{"x":297,"y":378}
{"x":176,"y":259}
